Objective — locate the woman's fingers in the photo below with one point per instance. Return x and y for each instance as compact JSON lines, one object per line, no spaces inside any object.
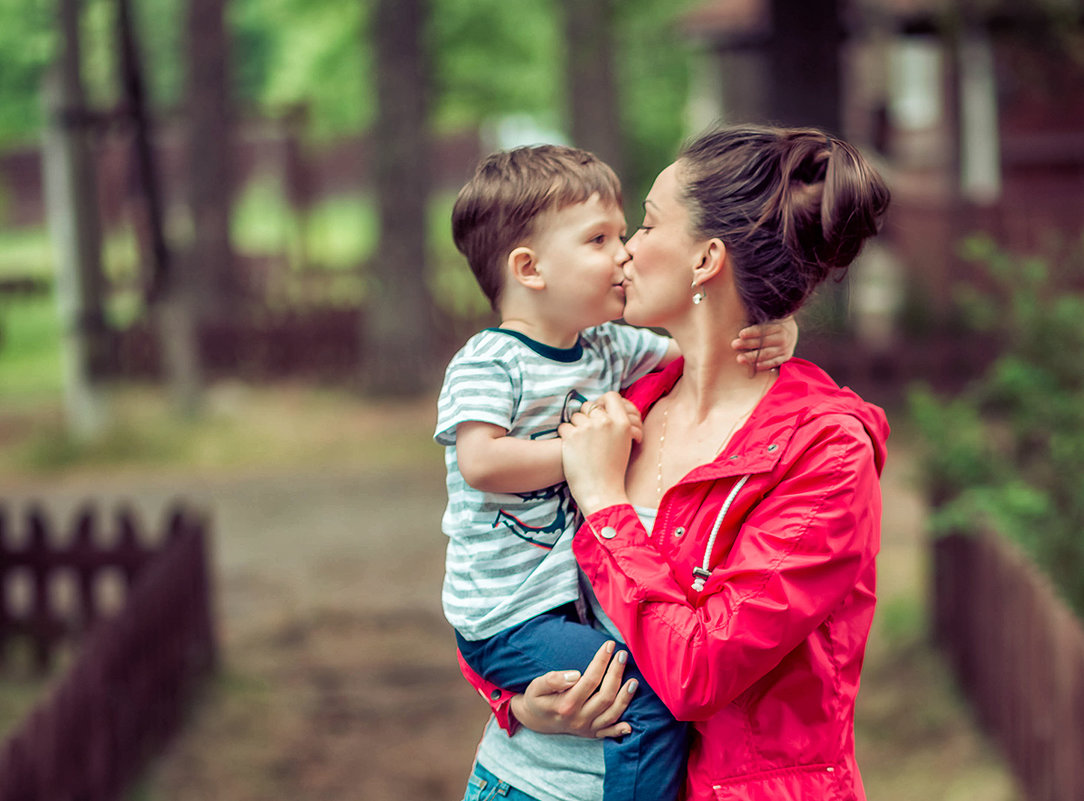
{"x":636,"y":422}
{"x":588,"y":704}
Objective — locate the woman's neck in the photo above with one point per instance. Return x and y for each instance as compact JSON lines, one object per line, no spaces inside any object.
{"x":713,"y":378}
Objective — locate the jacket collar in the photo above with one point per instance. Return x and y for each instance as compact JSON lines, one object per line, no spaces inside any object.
{"x":803,"y":392}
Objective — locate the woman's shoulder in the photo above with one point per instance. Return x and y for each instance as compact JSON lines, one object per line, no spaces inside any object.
{"x":816,"y":401}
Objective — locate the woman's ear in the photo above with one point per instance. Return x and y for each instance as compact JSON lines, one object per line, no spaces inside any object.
{"x":712,"y":262}
{"x":523,"y":268}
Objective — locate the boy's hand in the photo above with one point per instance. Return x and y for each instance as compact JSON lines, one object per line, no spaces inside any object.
{"x":767,"y":346}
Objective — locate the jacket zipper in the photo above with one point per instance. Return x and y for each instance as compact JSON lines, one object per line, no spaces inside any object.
{"x":703,"y":573}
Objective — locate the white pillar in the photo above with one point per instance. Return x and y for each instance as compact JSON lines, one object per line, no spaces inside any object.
{"x":980,"y":144}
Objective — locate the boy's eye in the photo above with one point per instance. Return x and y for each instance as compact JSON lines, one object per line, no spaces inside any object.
{"x":600,"y":239}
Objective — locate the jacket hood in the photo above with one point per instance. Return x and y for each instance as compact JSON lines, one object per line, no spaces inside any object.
{"x":802,"y":393}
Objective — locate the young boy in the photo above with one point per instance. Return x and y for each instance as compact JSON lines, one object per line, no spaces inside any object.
{"x":542,"y":230}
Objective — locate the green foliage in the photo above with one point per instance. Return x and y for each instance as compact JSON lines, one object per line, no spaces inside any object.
{"x":1009,"y":453}
{"x":26,"y":47}
{"x":653,"y":58}
{"x":494,"y":57}
{"x":30,"y":367}
{"x":313,"y":54}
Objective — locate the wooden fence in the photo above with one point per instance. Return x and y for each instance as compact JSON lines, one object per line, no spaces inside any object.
{"x":1018,"y":652}
{"x":136,"y":667}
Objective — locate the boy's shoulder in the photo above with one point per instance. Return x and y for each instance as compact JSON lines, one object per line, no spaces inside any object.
{"x":619,"y":336}
{"x":489,"y":343}
{"x":491,"y":347}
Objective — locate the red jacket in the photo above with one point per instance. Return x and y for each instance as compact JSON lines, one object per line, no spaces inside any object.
{"x":765,"y":658}
{"x":782,"y":528}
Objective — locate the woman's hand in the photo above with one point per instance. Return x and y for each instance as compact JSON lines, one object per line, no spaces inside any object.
{"x":595,"y":448}
{"x":587,"y":705}
{"x":767,"y":346}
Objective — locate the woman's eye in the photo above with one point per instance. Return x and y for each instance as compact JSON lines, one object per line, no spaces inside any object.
{"x":600,"y":239}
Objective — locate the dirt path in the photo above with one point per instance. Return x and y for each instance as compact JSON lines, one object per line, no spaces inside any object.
{"x":339,"y":679}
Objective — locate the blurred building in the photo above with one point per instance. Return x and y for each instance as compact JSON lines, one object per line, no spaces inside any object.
{"x":975,"y":110}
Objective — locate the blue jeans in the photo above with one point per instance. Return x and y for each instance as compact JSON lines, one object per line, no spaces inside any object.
{"x":484,"y":786}
{"x":646,"y":765}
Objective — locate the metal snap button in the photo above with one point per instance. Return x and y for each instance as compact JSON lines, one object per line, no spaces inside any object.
{"x":679,"y":531}
{"x":609,"y":532}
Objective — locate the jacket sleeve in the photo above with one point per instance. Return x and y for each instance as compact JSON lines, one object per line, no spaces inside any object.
{"x":795,"y":558}
{"x":499,"y":700}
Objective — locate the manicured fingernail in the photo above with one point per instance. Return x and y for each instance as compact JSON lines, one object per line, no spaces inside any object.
{"x":626,"y":730}
{"x":572,"y":675}
{"x":633,"y":686}
{"x":623,"y":657}
{"x":610,"y":647}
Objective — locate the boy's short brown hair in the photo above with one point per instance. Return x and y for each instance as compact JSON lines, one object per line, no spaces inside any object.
{"x":496,"y":209}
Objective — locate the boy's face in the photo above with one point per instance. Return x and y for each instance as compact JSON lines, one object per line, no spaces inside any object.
{"x":580,"y":253}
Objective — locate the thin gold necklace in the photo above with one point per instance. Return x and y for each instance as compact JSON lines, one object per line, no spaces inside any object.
{"x":741,"y":419}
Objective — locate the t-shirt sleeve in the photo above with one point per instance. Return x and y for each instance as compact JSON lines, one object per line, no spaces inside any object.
{"x":638,"y":351}
{"x":475,"y":390}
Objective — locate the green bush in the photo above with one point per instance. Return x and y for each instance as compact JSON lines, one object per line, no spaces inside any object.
{"x":1008,"y":453}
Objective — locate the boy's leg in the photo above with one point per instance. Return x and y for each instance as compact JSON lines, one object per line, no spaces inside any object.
{"x":514,"y":657}
{"x":646,"y":765}
{"x":650,"y":762}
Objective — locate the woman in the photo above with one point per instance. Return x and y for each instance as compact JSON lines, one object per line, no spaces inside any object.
{"x":733,"y":545}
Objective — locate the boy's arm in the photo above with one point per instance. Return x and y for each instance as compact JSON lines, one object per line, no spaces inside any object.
{"x":672,"y":352}
{"x":492,"y":461}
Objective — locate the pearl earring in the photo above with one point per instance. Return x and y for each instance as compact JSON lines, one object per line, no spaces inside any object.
{"x":698,"y":294}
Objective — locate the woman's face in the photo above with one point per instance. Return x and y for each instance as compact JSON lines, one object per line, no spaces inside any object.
{"x":663,"y":253}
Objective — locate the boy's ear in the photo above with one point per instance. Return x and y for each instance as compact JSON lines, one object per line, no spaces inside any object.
{"x":712,"y":261}
{"x":523,"y":268}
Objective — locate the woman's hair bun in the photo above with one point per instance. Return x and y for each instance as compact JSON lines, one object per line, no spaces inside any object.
{"x":830,"y":199}
{"x":791,"y":205}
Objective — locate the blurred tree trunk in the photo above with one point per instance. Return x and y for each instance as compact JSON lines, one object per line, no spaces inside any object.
{"x":804,"y":66}
{"x":209,"y":259}
{"x":807,"y":90}
{"x":399,"y":328}
{"x":171,"y":309}
{"x":593,"y":98}
{"x":71,"y":197}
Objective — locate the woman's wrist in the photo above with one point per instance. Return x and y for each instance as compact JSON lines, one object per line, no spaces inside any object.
{"x":596,"y":503}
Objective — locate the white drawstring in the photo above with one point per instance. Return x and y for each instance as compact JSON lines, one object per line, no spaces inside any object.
{"x":704,"y":573}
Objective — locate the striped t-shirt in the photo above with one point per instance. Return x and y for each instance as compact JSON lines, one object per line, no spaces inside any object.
{"x":506,"y":560}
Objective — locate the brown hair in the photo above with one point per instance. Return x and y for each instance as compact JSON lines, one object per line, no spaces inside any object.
{"x":791,"y":206}
{"x":497,"y":208}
